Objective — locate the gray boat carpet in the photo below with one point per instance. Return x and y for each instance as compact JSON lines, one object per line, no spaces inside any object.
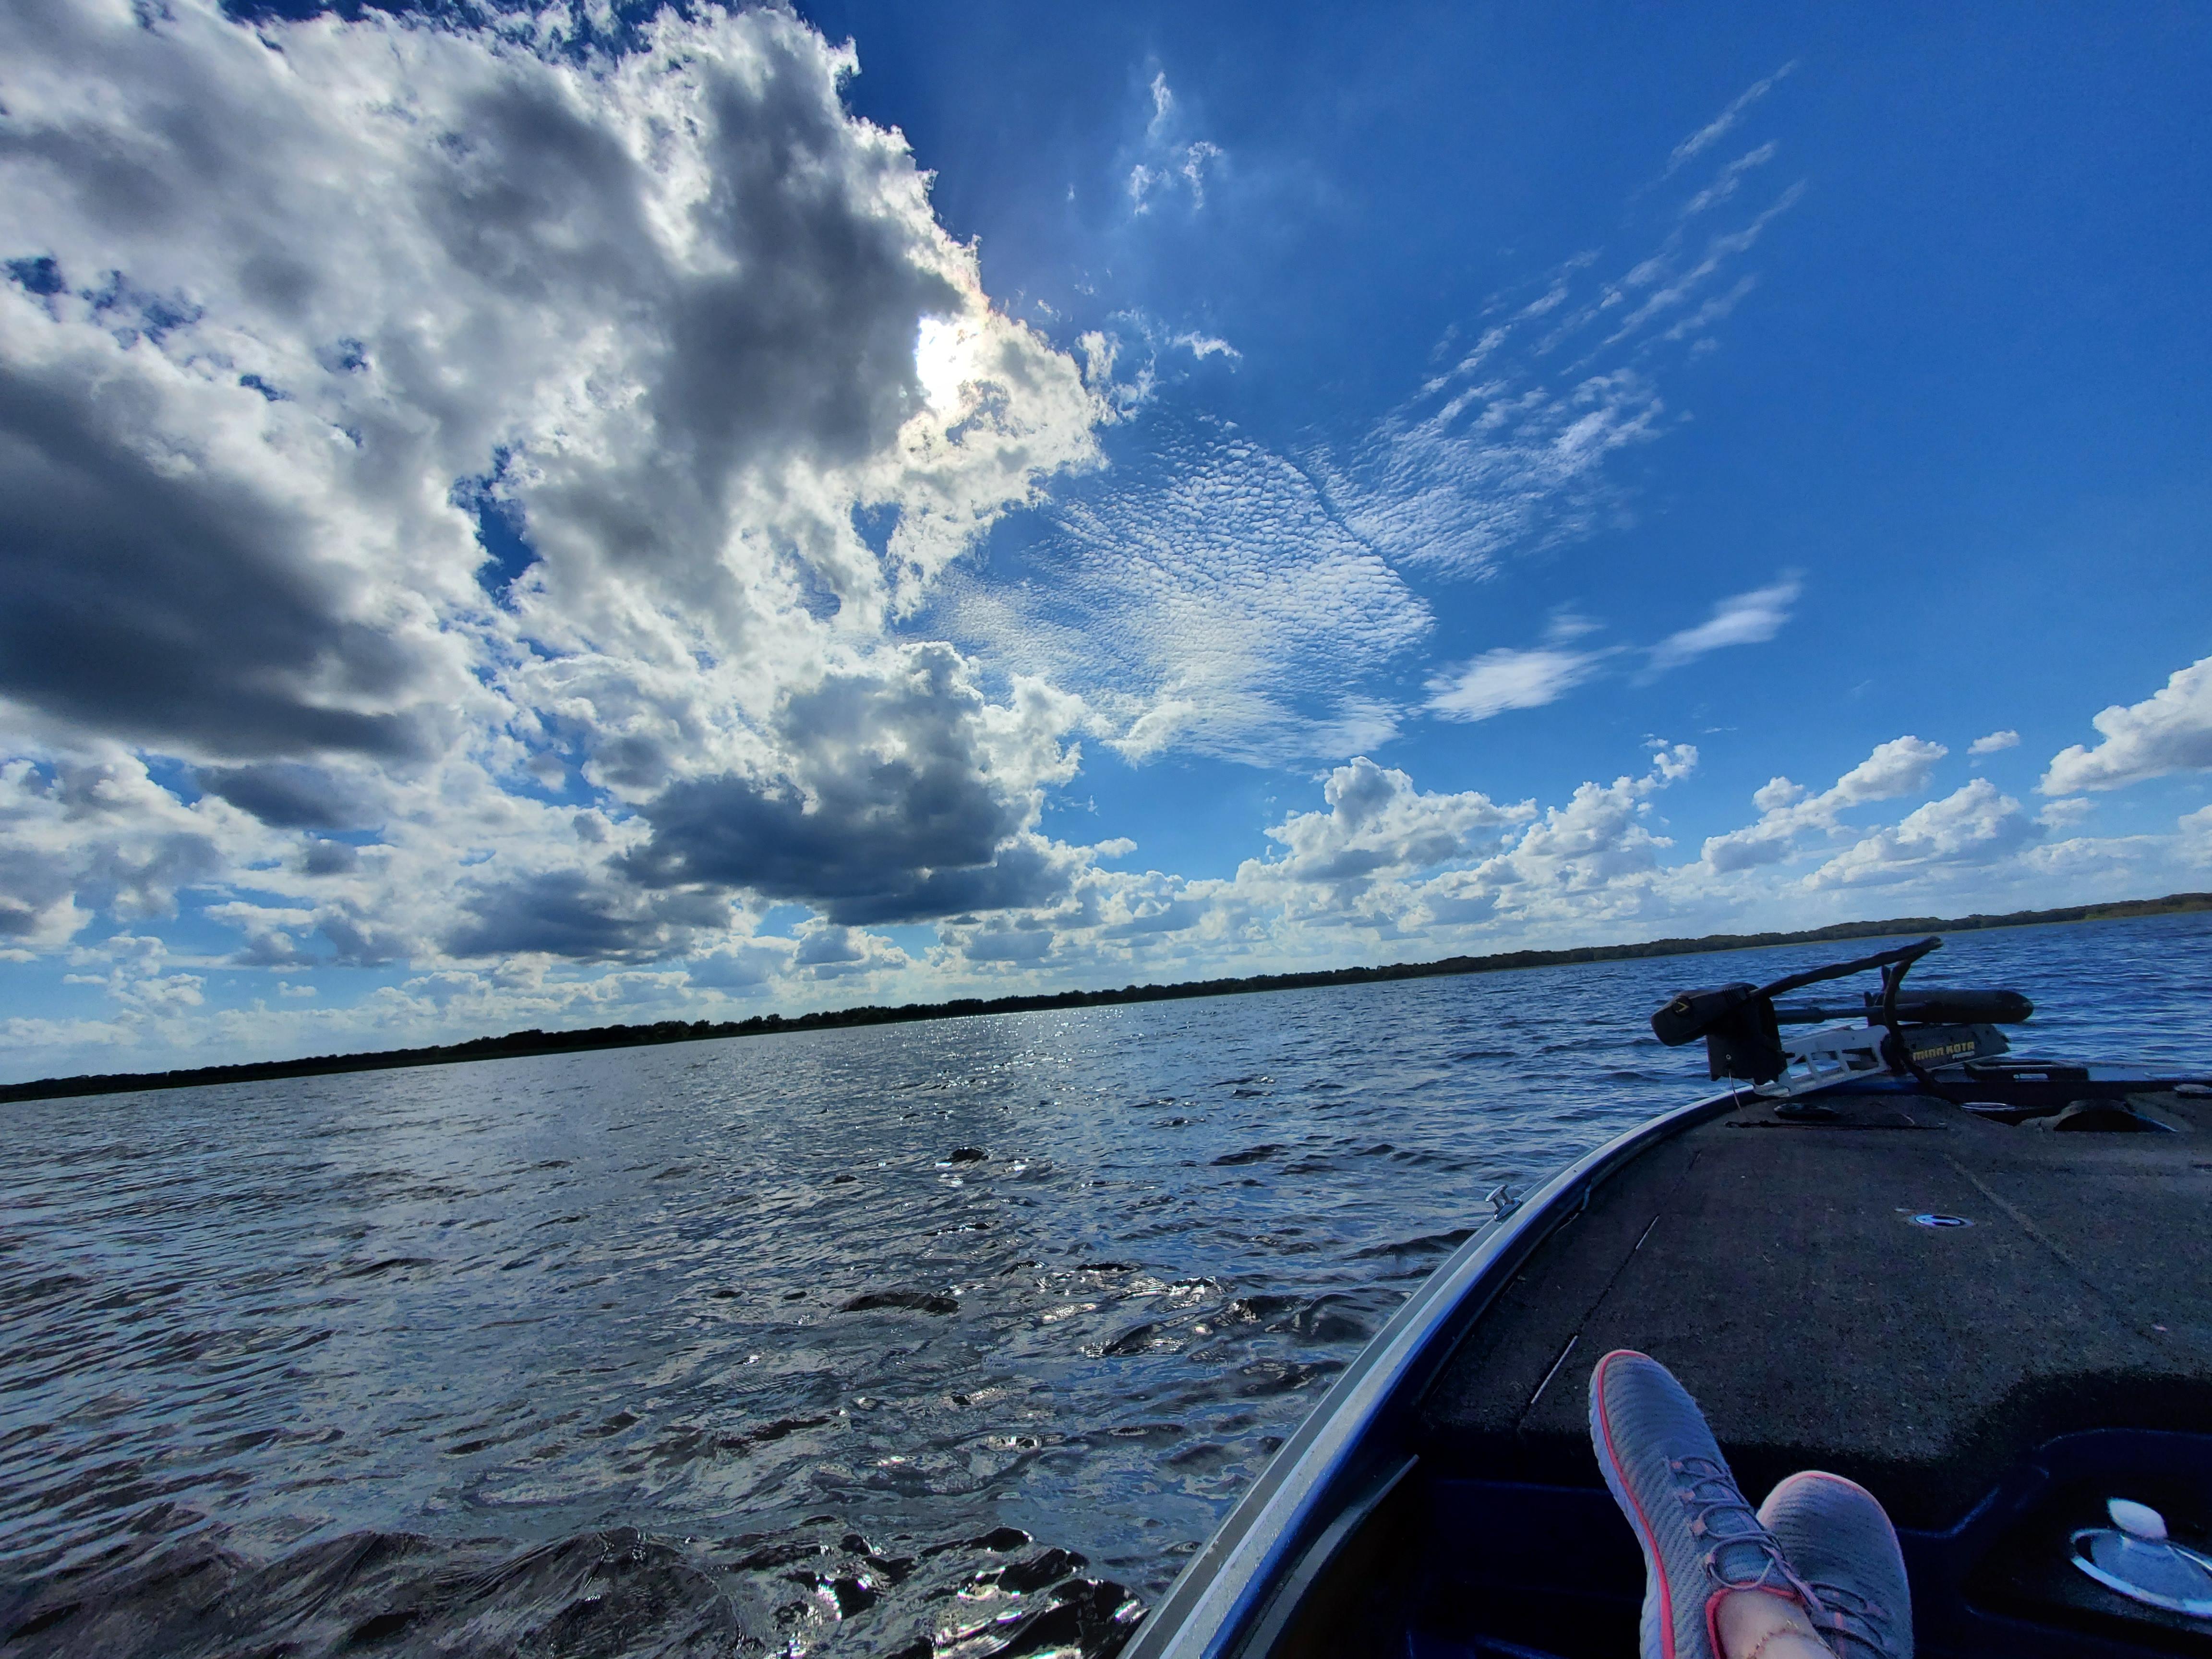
{"x":1777,"y":1270}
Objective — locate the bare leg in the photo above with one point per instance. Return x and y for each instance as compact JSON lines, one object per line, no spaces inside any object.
{"x":1753,"y":1625}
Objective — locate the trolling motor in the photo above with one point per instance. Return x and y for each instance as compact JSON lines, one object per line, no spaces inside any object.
{"x":1741,"y":1023}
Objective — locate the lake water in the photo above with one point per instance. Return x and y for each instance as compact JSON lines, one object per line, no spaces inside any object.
{"x":951,"y":1339}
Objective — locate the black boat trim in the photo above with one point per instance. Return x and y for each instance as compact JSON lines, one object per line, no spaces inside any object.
{"x":1219,"y":1593}
{"x":1291,"y":1597}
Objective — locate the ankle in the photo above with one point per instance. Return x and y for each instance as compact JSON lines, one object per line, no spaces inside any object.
{"x":1782,"y":1644}
{"x":1756,"y":1625}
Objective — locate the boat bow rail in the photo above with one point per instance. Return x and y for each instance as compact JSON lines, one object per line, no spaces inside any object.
{"x":1220,"y":1603}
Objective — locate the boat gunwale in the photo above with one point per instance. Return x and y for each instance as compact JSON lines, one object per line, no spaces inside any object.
{"x":1223,"y":1587}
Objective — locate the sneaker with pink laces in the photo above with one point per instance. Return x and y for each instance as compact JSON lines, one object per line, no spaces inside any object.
{"x":1701,"y":1538}
{"x":1836,"y":1537}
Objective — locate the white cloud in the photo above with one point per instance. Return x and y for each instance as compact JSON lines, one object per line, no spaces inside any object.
{"x":1509,"y":446}
{"x":1725,"y":122}
{"x":304,"y":307}
{"x":1900,"y":767}
{"x":2170,"y":731}
{"x":2195,"y":836}
{"x":1600,"y":835}
{"x":744,"y":966}
{"x":1730,"y":178}
{"x":1976,"y":824}
{"x":1378,"y":824}
{"x":2065,"y":812}
{"x":1202,"y":346}
{"x":133,"y":969}
{"x":1169,"y":160}
{"x":1749,"y":618}
{"x":1199,"y":594}
{"x":1499,"y":680}
{"x":1404,"y":864}
{"x":828,"y":951}
{"x":1995,"y":742}
{"x":93,"y":833}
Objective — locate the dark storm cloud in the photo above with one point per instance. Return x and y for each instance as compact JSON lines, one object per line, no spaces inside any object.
{"x":329,"y":858}
{"x":32,"y":882}
{"x":142,"y":875}
{"x":565,"y":913}
{"x":888,"y":812}
{"x":361,"y":939}
{"x":820,"y":342}
{"x":166,"y":604}
{"x":1173,"y":917}
{"x":288,"y":796}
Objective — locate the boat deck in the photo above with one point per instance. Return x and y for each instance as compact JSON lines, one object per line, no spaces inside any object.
{"x":1775,"y":1267}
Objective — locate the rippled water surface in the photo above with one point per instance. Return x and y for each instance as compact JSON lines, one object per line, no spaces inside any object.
{"x":945,"y":1338}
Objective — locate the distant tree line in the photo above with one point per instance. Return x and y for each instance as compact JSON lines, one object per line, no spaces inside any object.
{"x":534,"y":1041}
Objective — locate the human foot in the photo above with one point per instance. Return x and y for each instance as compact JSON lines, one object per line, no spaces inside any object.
{"x":1835,"y":1535}
{"x":1701,"y":1540}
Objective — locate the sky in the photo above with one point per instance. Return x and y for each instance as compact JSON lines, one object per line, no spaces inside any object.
{"x":554,"y":516}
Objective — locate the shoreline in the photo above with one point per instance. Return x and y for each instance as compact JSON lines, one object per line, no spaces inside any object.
{"x":518,"y":1044}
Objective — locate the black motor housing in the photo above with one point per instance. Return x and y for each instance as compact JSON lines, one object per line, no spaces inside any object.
{"x":1742,"y":1038}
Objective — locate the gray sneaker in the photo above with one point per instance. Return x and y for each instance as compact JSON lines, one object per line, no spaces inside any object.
{"x":1835,"y":1535}
{"x":1700,"y":1537}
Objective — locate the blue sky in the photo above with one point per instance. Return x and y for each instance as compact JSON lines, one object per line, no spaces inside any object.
{"x":546,"y":519}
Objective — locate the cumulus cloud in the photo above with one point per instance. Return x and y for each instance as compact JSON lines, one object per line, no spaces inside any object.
{"x":1021,"y":941}
{"x":1749,"y":618}
{"x":94,"y":833}
{"x":1976,"y":825}
{"x":745,"y":966}
{"x":901,"y":797}
{"x":2170,"y":731}
{"x":1900,"y":767}
{"x":1600,"y":835}
{"x":133,"y":969}
{"x":579,"y":914}
{"x":401,"y":424}
{"x":1995,"y":742}
{"x":1397,"y":861}
{"x":828,"y":951}
{"x":286,"y":795}
{"x":2195,"y":835}
{"x":1378,"y":823}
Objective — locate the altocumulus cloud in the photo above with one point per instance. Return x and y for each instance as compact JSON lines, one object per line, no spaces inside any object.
{"x":303,"y":321}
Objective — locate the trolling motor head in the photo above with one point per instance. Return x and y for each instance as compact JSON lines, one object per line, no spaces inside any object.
{"x":1742,"y":1037}
{"x":1743,"y":1026}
